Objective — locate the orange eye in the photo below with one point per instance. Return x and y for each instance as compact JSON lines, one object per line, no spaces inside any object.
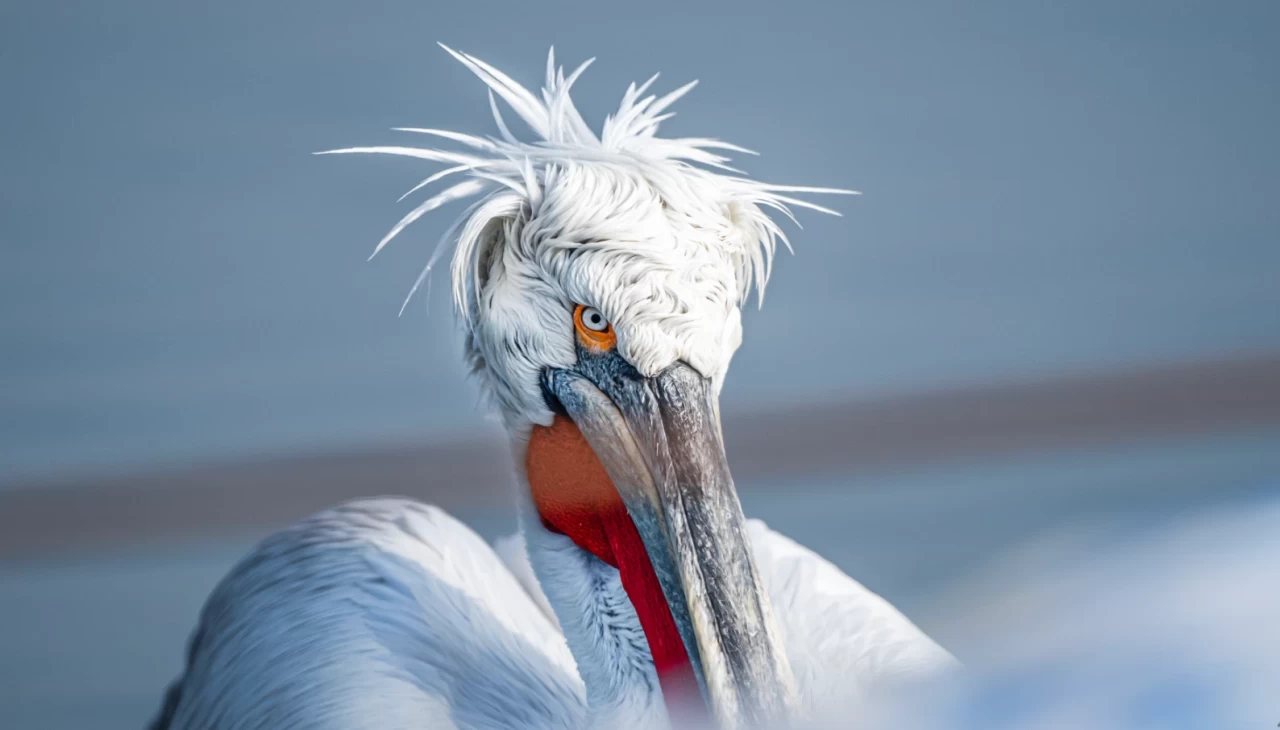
{"x":594,"y":331}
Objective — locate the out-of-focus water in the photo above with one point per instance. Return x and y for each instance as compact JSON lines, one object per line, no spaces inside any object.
{"x":91,"y":641}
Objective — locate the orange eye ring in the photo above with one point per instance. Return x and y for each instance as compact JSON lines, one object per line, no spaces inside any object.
{"x":590,"y":335}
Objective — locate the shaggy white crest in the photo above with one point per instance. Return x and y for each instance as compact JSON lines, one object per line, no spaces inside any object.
{"x":659,"y":234}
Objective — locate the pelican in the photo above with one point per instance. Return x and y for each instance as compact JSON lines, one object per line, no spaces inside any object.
{"x":599,"y":280}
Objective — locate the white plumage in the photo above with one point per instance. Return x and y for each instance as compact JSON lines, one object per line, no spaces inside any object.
{"x":388,"y":614}
{"x":608,"y":219}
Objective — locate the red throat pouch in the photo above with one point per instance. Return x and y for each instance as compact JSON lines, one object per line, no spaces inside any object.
{"x":575,"y":497}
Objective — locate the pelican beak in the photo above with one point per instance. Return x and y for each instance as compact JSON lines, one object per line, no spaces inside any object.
{"x":659,"y":440}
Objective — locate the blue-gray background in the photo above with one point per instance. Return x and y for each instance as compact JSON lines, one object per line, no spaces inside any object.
{"x":1049,"y":188}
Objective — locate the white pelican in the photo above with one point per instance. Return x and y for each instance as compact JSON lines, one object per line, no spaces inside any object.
{"x":599,"y":280}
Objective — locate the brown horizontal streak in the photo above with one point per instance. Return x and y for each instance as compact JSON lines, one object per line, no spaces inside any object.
{"x":843,"y":438}
{"x":1009,"y":418}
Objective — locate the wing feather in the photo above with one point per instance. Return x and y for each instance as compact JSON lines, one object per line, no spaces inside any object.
{"x":842,"y":639}
{"x":383,"y":614}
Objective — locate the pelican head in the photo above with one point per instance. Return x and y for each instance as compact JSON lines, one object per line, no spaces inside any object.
{"x":600,"y":281}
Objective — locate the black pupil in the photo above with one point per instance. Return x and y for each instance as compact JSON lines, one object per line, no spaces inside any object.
{"x":595,"y":318}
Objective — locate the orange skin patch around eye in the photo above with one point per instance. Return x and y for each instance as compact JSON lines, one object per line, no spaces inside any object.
{"x":591,"y":339}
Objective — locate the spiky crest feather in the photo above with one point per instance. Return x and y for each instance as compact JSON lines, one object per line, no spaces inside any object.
{"x":512,"y":175}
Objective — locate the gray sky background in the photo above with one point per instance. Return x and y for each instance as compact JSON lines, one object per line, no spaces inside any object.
{"x":1049,"y":188}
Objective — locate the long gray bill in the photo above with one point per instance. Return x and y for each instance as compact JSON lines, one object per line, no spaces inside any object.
{"x":659,"y":440}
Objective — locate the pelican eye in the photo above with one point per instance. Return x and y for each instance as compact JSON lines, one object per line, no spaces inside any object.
{"x":593,"y":320}
{"x":594,"y":331}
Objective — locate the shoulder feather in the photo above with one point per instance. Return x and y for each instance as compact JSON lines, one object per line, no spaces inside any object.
{"x":381,"y":613}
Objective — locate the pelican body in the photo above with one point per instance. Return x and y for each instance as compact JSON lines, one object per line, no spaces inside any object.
{"x":600,"y":281}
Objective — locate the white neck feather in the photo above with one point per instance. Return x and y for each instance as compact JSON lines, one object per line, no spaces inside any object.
{"x":601,"y":627}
